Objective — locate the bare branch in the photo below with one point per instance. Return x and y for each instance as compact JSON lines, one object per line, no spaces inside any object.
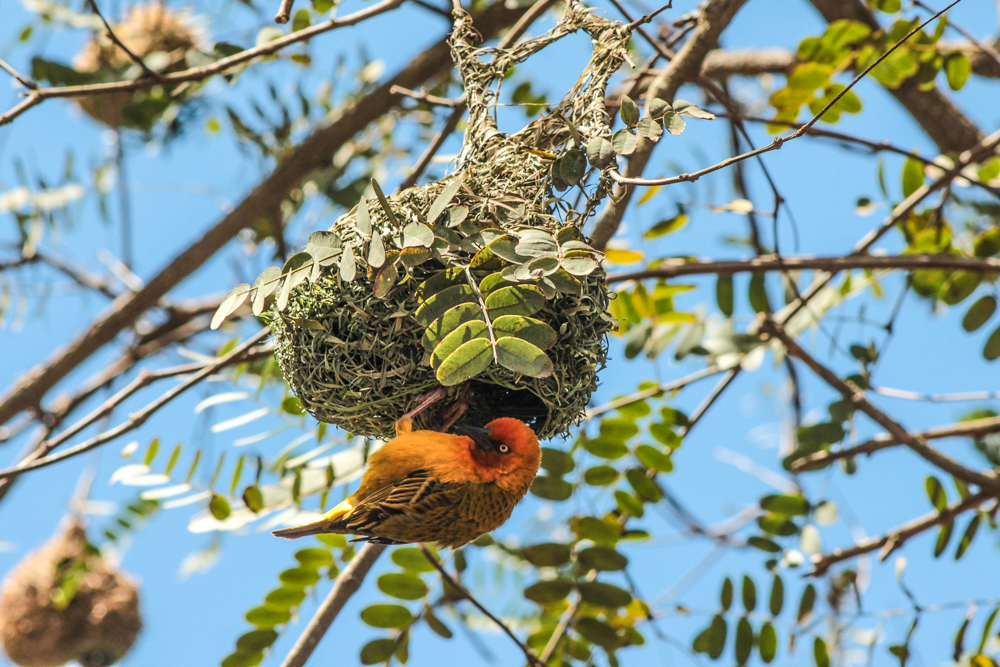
{"x":39,"y":457}
{"x":121,"y":45}
{"x":284,"y":11}
{"x":895,"y":539}
{"x":674,"y":268}
{"x":970,"y":429}
{"x":20,"y":78}
{"x":347,"y":584}
{"x":856,"y":396}
{"x":528,"y":653}
{"x":663,"y":388}
{"x":422,"y":96}
{"x":937,"y":398}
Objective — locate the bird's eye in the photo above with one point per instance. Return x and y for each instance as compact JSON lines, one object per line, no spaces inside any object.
{"x":503,"y":449}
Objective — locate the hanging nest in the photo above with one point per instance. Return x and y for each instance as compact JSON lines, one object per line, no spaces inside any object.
{"x":480,"y":283}
{"x":64,"y":602}
{"x":148,"y":30}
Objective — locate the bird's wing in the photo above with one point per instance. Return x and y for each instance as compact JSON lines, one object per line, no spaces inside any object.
{"x":409,"y":494}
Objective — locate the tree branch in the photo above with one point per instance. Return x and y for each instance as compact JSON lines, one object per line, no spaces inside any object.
{"x":673,"y":268}
{"x":969,"y":429}
{"x":121,"y":45}
{"x":856,"y":396}
{"x":528,"y":653}
{"x":313,"y":153}
{"x":685,"y":66}
{"x":347,"y":584}
{"x":895,"y":539}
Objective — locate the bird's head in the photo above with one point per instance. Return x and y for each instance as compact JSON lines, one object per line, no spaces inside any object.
{"x":506,"y":446}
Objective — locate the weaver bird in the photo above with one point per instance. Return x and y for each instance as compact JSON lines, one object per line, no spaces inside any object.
{"x":426,"y":486}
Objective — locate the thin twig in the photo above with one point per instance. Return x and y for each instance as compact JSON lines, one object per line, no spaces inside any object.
{"x":432,"y":149}
{"x":20,"y":78}
{"x":982,"y":46}
{"x":777,"y":142}
{"x":121,"y":45}
{"x":663,"y":388}
{"x":970,"y":429}
{"x":200,"y":73}
{"x":649,"y":17}
{"x":421,"y":96}
{"x":39,"y":458}
{"x":855,"y":395}
{"x":559,"y":632}
{"x":835,"y":264}
{"x":528,"y":653}
{"x":347,"y":584}
{"x":937,"y":398}
{"x":284,"y":11}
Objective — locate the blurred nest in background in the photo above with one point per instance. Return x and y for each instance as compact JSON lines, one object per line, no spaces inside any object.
{"x":65,"y":602}
{"x":162,"y":38}
{"x":480,"y":285}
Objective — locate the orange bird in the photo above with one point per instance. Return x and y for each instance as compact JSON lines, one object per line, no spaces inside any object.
{"x":426,"y":486}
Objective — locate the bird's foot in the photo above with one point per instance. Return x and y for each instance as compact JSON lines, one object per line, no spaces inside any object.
{"x":426,"y":401}
{"x":455,"y":412}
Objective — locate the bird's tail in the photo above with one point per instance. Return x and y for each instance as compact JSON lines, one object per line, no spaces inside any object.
{"x":330,"y":523}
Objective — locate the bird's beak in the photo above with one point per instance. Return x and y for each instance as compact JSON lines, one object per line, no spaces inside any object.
{"x":480,"y":436}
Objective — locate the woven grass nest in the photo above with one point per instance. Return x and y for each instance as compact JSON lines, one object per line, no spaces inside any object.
{"x":148,"y":30}
{"x":64,"y":603}
{"x":481,"y":284}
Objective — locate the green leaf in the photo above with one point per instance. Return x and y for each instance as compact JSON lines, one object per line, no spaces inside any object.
{"x":913,"y":176}
{"x":629,"y":504}
{"x":685,"y":108}
{"x":299,"y":577}
{"x":438,"y":304}
{"x":726,"y":594}
{"x":393,"y":222}
{"x":936,"y":493}
{"x":758,"y":294}
{"x":412,"y":558}
{"x":717,"y":637}
{"x":767,"y":642}
{"x":230,"y":303}
{"x":657,"y":108}
{"x":505,"y":247}
{"x":673,"y":123}
{"x":598,"y":531}
{"x":522,"y":357}
{"x":777,"y":600}
{"x":650,"y":129}
{"x":806,"y":604}
{"x":605,"y":595}
{"x":668,"y":226}
{"x":219,"y":508}
{"x":597,"y":632}
{"x":528,"y":329}
{"x":643,"y":485}
{"x":744,"y":640}
{"x":957,"y":68}
{"x":785,"y":504}
{"x":442,"y":200}
{"x":968,"y":536}
{"x":624,"y":142}
{"x":724,"y":293}
{"x":820,"y":654}
{"x":749,"y":594}
{"x":544,"y":592}
{"x":992,"y":348}
{"x":377,"y":651}
{"x":449,"y":322}
{"x":578,"y":262}
{"x":468,"y":361}
{"x":376,"y":252}
{"x":777,"y":524}
{"x":515,"y":300}
{"x":435,"y":624}
{"x":314,"y":558}
{"x":266,"y":617}
{"x":363,"y":223}
{"x":256,"y":640}
{"x":384,"y":280}
{"x":348,"y":265}
{"x":386,"y":616}
{"x":556,"y":461}
{"x":820,"y":435}
{"x":653,"y":458}
{"x":629,"y":111}
{"x":809,"y":76}
{"x":284,"y":598}
{"x":572,"y":166}
{"x":462,"y":334}
{"x":600,"y":152}
{"x":605,"y":448}
{"x":602,"y":559}
{"x":402,"y":585}
{"x":944,"y":536}
{"x":263,"y":287}
{"x":550,"y":554}
{"x":600,"y":475}
{"x":987,"y":242}
{"x":417,"y":235}
{"x":551,"y":488}
{"x":979,"y":313}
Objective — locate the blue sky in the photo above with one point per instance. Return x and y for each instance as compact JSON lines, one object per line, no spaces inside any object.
{"x":180,"y":191}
